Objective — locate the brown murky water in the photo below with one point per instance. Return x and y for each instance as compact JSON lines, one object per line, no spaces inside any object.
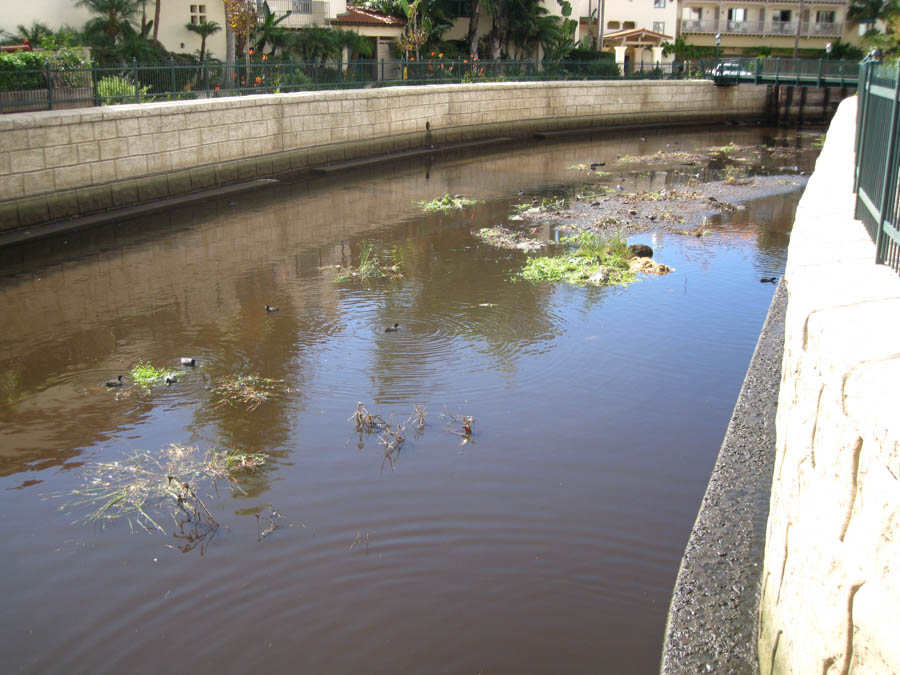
{"x":550,"y":543}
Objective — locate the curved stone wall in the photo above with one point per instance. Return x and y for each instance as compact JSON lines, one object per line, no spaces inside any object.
{"x":831,"y":577}
{"x":58,"y":164}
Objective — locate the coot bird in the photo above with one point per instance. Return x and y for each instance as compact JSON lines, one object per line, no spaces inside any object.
{"x":170,"y":380}
{"x":392,"y":329}
{"x":271,"y":308}
{"x":114,"y":383}
{"x":188,"y":361}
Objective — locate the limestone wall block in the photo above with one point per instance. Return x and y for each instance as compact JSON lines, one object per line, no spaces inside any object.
{"x":15,"y":139}
{"x":183,"y":159}
{"x":127,"y":127}
{"x":88,"y":152}
{"x":68,"y":177}
{"x":103,"y":172}
{"x":38,"y":182}
{"x":230,"y":150}
{"x":42,"y":137}
{"x":129,"y":167}
{"x":4,"y":163}
{"x":114,"y":148}
{"x":80,"y":133}
{"x":164,"y":142}
{"x":27,"y":160}
{"x":12,"y":187}
{"x":252,"y":147}
{"x":159,"y":162}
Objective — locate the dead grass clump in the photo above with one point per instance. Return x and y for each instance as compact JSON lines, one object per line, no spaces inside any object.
{"x":249,"y":390}
{"x":503,"y":237}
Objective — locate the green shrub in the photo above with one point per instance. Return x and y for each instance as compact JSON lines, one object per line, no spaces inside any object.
{"x":21,"y":70}
{"x":116,"y":89}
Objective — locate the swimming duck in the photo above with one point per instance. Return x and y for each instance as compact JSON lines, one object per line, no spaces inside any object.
{"x":170,"y":380}
{"x":114,"y":383}
{"x":392,"y":329}
{"x":271,"y":308}
{"x":769,"y":280}
{"x":188,"y":361}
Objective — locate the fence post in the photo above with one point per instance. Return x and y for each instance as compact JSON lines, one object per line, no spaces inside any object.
{"x":382,"y":72}
{"x":861,"y":124}
{"x":777,"y":69}
{"x":137,"y":98}
{"x":842,"y":73}
{"x":892,"y":143}
{"x":172,"y":74}
{"x":819,"y":75}
{"x":758,"y":70}
{"x":95,"y":83}
{"x":206,"y":76}
{"x":49,"y":85}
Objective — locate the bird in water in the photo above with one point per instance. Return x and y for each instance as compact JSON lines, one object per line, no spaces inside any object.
{"x":271,"y":308}
{"x":114,"y":383}
{"x":170,"y":380}
{"x":392,"y":329}
{"x":769,"y":280}
{"x":188,"y":361}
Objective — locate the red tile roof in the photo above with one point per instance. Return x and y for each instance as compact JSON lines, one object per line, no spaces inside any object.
{"x":359,"y":16}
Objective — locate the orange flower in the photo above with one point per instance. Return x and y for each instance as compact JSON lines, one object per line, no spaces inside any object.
{"x":432,"y":53}
{"x":251,"y":52}
{"x":440,"y":56}
{"x":430,"y":68}
{"x":465,"y":60}
{"x":412,"y":58}
{"x":217,"y":87}
{"x":265,"y":57}
{"x":258,"y":80}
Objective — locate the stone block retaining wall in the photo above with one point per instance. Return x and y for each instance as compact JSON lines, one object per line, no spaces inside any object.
{"x":831,"y":577}
{"x":58,"y":164}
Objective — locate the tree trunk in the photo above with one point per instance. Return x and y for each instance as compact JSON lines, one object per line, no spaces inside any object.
{"x":472,"y":36}
{"x":156,"y":21}
{"x":229,"y":55}
{"x":495,"y":32}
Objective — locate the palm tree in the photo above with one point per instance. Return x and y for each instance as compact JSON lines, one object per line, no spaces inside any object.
{"x":870,"y":11}
{"x":111,"y":16}
{"x":204,"y":29}
{"x":267,"y":30}
{"x":36,"y":33}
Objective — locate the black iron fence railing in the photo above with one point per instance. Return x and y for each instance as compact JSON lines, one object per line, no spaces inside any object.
{"x":878,"y":159}
{"x":24,"y":90}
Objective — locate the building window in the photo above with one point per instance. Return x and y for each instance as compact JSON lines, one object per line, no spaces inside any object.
{"x":825,"y":16}
{"x":659,"y":4}
{"x":781,"y":15}
{"x":628,"y":25}
{"x":198,"y":14}
{"x":737,"y":14}
{"x":612,"y":25}
{"x":659,"y":27}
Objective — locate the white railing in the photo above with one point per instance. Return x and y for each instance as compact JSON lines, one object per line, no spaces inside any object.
{"x":302,"y":12}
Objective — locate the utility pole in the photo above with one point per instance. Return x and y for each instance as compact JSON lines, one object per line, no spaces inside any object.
{"x":797,"y":33}
{"x":600,"y":27}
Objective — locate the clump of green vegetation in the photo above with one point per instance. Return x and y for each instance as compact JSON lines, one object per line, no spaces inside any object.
{"x":724,"y":150}
{"x":554,"y":203}
{"x":250,"y":390}
{"x":143,"y":483}
{"x":372,"y":265}
{"x":145,"y":374}
{"x":819,"y":141}
{"x":588,"y":259}
{"x":447,"y":203}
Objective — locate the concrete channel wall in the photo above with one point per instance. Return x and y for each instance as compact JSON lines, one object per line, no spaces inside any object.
{"x":59,"y":164}
{"x":831,"y":576}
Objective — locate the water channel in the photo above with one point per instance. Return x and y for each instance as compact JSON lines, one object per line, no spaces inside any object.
{"x":549,"y":542}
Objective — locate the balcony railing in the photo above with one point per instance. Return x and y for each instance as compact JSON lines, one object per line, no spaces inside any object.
{"x":302,"y":12}
{"x":807,"y":28}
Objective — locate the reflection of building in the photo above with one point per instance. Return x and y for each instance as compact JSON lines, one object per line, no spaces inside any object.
{"x":744,"y":24}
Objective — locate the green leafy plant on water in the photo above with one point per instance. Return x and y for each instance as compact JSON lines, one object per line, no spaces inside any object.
{"x":725,"y":150}
{"x":446,"y":203}
{"x":145,"y":374}
{"x":587,"y":259}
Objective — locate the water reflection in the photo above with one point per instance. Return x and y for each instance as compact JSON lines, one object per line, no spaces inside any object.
{"x":599,"y":412}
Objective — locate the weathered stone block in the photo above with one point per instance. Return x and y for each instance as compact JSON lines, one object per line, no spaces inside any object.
{"x":155,"y":187}
{"x":114,"y":148}
{"x":26,"y":160}
{"x":103,"y":172}
{"x":62,"y":205}
{"x":131,"y":167}
{"x":37,"y":182}
{"x":124,"y":193}
{"x":69,"y":177}
{"x":94,"y":199}
{"x":60,"y":155}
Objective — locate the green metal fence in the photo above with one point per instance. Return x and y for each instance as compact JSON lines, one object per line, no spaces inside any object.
{"x":878,"y":159}
{"x":134,"y":82}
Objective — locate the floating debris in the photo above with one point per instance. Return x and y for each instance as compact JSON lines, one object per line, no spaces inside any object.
{"x":143,"y":483}
{"x":145,"y":374}
{"x":503,"y":237}
{"x":587,"y":259}
{"x":372,"y":266}
{"x":446,"y":203}
{"x":251,"y":390}
{"x":461,"y":425}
